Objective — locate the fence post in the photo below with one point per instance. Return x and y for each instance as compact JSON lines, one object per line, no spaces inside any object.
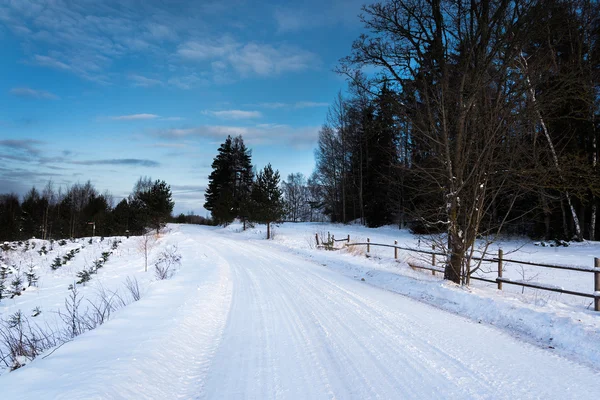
{"x":395,"y":249}
{"x":500,"y":253}
{"x":317,"y":238}
{"x":328,"y":237}
{"x":332,"y":240}
{"x":433,"y":259}
{"x":348,"y":239}
{"x":597,"y":284}
{"x":368,"y":245}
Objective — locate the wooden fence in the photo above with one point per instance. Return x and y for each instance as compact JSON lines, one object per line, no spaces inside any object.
{"x":499,"y":260}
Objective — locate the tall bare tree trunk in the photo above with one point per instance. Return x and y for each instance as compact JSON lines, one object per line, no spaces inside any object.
{"x":594,"y":165}
{"x":538,"y":112}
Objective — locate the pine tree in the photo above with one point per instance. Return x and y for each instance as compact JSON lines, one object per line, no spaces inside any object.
{"x":267,"y":199}
{"x":382,"y":159}
{"x":228,"y":192}
{"x":219,"y":200}
{"x":243,"y":177}
{"x":157,"y":204}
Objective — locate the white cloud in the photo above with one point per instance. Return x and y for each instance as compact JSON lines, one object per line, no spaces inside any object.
{"x":134,"y":117}
{"x":298,"y":104}
{"x":47,"y":61}
{"x":187,"y":82}
{"x":261,"y":134}
{"x":291,"y":20}
{"x":36,"y":94}
{"x":310,"y":104}
{"x":161,"y":32}
{"x":142,"y":81}
{"x":234,"y":114}
{"x":89,"y":40}
{"x":330,"y":13}
{"x":207,"y":49}
{"x":247,"y":59}
{"x":272,"y":105}
{"x":207,"y":131}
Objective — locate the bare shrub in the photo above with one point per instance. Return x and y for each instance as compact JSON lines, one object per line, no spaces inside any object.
{"x":101,"y":310}
{"x":311,"y":241}
{"x":21,"y":342}
{"x":133,"y":288}
{"x":74,"y":321}
{"x":145,"y":244}
{"x":168,"y":260}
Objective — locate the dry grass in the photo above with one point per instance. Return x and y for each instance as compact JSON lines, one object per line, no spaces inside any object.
{"x":357,"y":250}
{"x":360,"y":251}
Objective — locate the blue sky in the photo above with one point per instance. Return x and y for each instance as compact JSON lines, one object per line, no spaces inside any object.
{"x":111,"y":91}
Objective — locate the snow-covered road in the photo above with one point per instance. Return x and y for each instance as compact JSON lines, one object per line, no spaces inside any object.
{"x":245,"y":320}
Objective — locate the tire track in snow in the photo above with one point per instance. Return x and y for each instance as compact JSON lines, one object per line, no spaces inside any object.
{"x":350,"y":340}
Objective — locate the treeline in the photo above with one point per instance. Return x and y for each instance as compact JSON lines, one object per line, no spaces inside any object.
{"x":235,"y":191}
{"x":191,"y":218}
{"x":73,"y":212}
{"x":482,"y":117}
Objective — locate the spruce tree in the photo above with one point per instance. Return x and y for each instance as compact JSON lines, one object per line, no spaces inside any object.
{"x":158,"y":204}
{"x":243,"y":177}
{"x":229,"y":184}
{"x":267,"y":199}
{"x":218,"y":201}
{"x":382,"y":159}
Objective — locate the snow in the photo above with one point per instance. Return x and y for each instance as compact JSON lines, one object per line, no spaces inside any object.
{"x":248,"y":318}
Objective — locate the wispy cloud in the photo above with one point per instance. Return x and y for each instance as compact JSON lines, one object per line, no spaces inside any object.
{"x":292,"y":20}
{"x":134,"y":117}
{"x":188,"y":81}
{"x":310,"y":104}
{"x":298,"y":104}
{"x":207,"y":48}
{"x":90,"y":39}
{"x":28,"y":146}
{"x":206,"y":131}
{"x":228,"y":55}
{"x":32,"y":93}
{"x":234,"y":114}
{"x":51,"y":62}
{"x":260,"y":134}
{"x":120,"y":161}
{"x":273,"y":105}
{"x":142,"y":81}
{"x":169,"y":145}
{"x":333,"y":12}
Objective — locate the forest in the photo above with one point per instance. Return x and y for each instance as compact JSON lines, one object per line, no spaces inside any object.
{"x":80,"y":210}
{"x":466,"y":119}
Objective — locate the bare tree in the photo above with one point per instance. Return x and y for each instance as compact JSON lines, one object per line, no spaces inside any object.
{"x":295,"y":193}
{"x":452,"y":64}
{"x":145,"y":245}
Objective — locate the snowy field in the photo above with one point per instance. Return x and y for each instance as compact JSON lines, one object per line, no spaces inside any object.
{"x":243,"y":317}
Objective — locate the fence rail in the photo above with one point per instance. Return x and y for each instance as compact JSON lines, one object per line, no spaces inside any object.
{"x":499,"y":260}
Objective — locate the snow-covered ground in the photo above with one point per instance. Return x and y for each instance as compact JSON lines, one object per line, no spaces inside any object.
{"x":249,"y":318}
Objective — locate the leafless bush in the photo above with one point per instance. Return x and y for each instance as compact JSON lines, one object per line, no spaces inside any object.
{"x":100,"y":311}
{"x":73,"y":319}
{"x":133,"y":288}
{"x":310,"y":240}
{"x":145,"y":244}
{"x":21,"y":342}
{"x":168,"y":260}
